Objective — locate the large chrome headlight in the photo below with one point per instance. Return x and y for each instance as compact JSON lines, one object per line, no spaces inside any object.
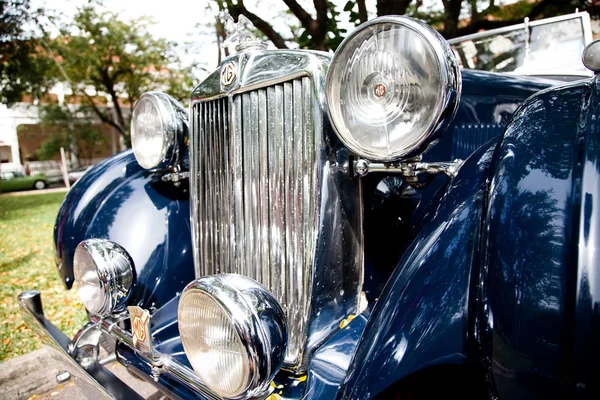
{"x":392,"y":86}
{"x":234,"y":334}
{"x":159,"y":127}
{"x":104,"y":275}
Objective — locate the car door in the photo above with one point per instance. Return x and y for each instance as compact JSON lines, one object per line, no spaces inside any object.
{"x":22,"y":181}
{"x":9,"y":182}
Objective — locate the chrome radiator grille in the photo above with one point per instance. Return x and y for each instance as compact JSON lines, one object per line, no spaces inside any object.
{"x":256,"y":180}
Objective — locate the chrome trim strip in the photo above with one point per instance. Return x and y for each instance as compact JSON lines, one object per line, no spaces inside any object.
{"x":585,"y":20}
{"x":250,"y":88}
{"x":162,"y":364}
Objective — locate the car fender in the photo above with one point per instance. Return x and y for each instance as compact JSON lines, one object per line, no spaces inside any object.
{"x":421,"y":317}
{"x":538,"y":299}
{"x":119,"y":201}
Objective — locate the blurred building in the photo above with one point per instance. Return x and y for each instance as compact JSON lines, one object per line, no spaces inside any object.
{"x":21,"y":133}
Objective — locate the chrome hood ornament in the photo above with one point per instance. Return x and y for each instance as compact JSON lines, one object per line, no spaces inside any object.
{"x":239,"y":36}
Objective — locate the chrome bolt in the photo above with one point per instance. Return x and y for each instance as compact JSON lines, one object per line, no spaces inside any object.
{"x":156,"y":371}
{"x":361,"y":167}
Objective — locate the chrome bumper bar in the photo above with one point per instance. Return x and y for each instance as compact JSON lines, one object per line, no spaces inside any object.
{"x":95,"y":381}
{"x":90,"y":375}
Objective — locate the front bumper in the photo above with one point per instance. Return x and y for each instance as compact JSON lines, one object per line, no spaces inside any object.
{"x":166,"y":369}
{"x":95,"y":381}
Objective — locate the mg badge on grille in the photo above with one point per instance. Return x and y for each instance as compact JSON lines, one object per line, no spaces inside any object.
{"x":140,"y":328}
{"x":228,"y":74}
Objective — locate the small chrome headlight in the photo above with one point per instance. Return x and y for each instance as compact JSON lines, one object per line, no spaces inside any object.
{"x":392,"y":86}
{"x":234,"y":333}
{"x":104,"y":275}
{"x":158,"y":129}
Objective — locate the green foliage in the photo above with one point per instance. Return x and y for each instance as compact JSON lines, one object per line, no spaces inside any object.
{"x":75,"y":132}
{"x":334,"y":36}
{"x":27,"y":262}
{"x":51,"y":146}
{"x":351,"y":7}
{"x":335,"y":33}
{"x":431,"y":15}
{"x":98,"y":50}
{"x":118,"y":59}
{"x":24,"y":64}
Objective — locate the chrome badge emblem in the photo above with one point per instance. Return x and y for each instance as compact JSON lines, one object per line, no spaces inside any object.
{"x":228,"y":74}
{"x":140,"y":328}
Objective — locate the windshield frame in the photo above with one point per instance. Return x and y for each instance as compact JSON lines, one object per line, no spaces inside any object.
{"x":526,"y":26}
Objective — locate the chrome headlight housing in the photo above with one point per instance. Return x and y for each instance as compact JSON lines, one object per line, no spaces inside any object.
{"x":392,"y":87}
{"x":104,"y":275}
{"x":159,"y":127}
{"x":234,"y":334}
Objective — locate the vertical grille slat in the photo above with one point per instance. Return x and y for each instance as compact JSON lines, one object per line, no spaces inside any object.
{"x":288,"y":137}
{"x":263,"y":273}
{"x":276,"y":187}
{"x":238,"y":191}
{"x":255,"y":182}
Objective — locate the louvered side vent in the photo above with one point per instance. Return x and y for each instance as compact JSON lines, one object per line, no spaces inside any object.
{"x":469,"y":137}
{"x":256,"y":183}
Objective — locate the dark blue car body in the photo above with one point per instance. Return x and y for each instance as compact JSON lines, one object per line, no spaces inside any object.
{"x":484,"y":284}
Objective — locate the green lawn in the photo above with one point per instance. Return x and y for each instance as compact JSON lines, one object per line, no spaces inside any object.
{"x":27,"y":262}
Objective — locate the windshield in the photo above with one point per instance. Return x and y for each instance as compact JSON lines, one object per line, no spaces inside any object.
{"x":546,"y":47}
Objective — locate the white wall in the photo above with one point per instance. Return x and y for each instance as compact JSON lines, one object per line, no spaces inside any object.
{"x":10,"y":119}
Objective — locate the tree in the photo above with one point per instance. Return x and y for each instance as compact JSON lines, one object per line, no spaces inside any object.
{"x":320,"y":30}
{"x":24,"y":62}
{"x":494,"y":16}
{"x":75,"y":131}
{"x":102,"y":55}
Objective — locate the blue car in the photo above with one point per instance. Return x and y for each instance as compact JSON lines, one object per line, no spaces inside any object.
{"x":407,"y":218}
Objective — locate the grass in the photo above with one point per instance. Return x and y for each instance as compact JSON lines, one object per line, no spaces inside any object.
{"x":27,"y":262}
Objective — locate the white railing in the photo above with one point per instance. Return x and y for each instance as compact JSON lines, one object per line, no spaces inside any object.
{"x":52,"y":166}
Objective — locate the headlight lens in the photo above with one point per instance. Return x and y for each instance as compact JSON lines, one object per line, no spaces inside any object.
{"x":159,"y":125}
{"x":104,"y":275}
{"x":215,"y":349}
{"x":390,"y":86}
{"x":234,"y":334}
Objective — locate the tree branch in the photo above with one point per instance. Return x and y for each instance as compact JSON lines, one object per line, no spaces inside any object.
{"x":300,"y":13}
{"x":362,"y":11}
{"x":392,"y":7}
{"x":319,"y":28}
{"x":321,"y":6}
{"x":484,"y":24}
{"x":109,"y":86}
{"x":452,"y":11}
{"x":103,"y":117}
{"x":236,"y":9}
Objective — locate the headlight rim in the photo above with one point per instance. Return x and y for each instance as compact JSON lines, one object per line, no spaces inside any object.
{"x":116,"y":280}
{"x":450,"y":98}
{"x":260,"y":350}
{"x":175,"y":127}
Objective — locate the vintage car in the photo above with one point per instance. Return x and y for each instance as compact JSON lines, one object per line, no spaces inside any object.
{"x":17,"y":180}
{"x":304,"y":230}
